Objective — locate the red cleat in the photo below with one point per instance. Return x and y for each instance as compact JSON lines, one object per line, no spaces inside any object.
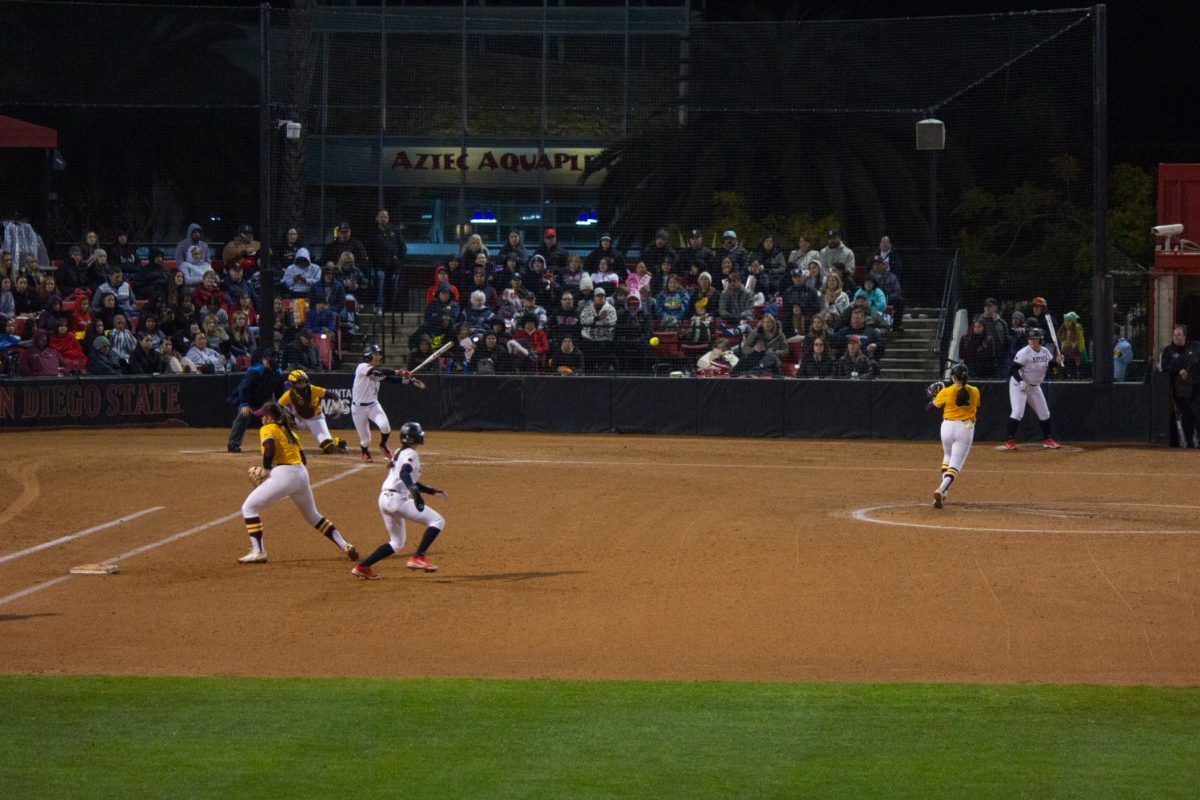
{"x":366,"y":573}
{"x":1011,"y":444}
{"x":420,"y":562}
{"x":1050,"y":444}
{"x":387,"y":451}
{"x":365,"y":456}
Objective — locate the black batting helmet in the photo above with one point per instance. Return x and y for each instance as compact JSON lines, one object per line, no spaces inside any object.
{"x":959,"y":372}
{"x":1034,"y":333}
{"x":372,"y":350}
{"x":411,"y":433}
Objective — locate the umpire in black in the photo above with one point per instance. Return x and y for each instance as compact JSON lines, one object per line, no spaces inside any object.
{"x":259,"y":384}
{"x":1181,"y":361}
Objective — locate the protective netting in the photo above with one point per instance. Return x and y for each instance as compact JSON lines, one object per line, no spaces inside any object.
{"x":587,"y":120}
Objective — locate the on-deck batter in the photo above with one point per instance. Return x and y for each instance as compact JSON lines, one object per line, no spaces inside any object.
{"x":1029,"y":368}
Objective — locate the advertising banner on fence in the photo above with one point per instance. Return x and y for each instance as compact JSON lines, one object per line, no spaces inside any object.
{"x":95,"y":402}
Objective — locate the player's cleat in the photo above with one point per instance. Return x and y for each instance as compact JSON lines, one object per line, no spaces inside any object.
{"x":364,"y":456}
{"x":1050,"y":444}
{"x":254,"y":557}
{"x":1011,"y":444}
{"x":420,"y":562}
{"x":234,"y":448}
{"x":350,"y":552}
{"x":387,"y":451}
{"x":366,"y":573}
{"x":938,"y":497}
{"x":341,"y":445}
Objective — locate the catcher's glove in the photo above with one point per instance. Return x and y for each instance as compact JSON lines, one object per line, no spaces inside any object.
{"x":257,"y":474}
{"x":934,"y":388}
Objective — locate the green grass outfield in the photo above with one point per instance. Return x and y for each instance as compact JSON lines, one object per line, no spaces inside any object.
{"x":98,"y":737}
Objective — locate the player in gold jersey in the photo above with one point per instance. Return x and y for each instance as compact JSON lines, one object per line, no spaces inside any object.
{"x":959,"y":403}
{"x":287,"y":476}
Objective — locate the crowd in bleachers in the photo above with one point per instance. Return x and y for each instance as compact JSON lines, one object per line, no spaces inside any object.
{"x":768,"y":311}
{"x":102,"y":310}
{"x":764,"y":311}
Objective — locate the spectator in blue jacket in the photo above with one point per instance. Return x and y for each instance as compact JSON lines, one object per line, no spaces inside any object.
{"x":673,"y":302}
{"x":876,"y":299}
{"x":319,"y":318}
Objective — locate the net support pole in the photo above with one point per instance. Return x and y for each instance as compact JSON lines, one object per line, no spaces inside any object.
{"x":266,"y":311}
{"x":1102,"y":312}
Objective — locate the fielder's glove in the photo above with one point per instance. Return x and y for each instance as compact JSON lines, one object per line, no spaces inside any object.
{"x":933,"y":388}
{"x":257,"y":474}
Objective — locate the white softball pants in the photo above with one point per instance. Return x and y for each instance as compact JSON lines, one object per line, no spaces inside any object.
{"x":957,"y":436}
{"x":396,"y":508}
{"x":1033,"y":395}
{"x":288,"y":480}
{"x":363,"y":416}
{"x":317,"y":426}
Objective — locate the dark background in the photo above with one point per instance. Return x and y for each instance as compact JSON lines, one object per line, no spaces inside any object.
{"x":1152,"y":116}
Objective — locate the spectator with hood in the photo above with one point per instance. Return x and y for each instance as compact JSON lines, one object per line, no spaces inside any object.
{"x":66,"y":344}
{"x":39,"y":358}
{"x":48,"y":320}
{"x":302,"y":275}
{"x":103,"y":361}
{"x":194,"y":266}
{"x":194,"y":238}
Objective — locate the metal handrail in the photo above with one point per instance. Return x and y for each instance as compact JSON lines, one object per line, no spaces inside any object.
{"x":948,"y":308}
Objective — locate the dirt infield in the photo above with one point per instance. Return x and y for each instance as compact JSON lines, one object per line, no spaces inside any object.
{"x":612,"y":557}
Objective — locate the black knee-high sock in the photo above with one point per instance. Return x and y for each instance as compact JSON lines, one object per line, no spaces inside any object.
{"x":383,"y":551}
{"x":426,"y":540}
{"x":1012,"y":427}
{"x":1045,"y":423}
{"x":383,"y":439}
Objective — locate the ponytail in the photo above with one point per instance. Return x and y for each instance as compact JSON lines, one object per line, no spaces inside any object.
{"x":963,"y":398}
{"x":285,"y":422}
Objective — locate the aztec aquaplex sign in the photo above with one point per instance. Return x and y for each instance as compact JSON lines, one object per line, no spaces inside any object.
{"x":484,"y":166}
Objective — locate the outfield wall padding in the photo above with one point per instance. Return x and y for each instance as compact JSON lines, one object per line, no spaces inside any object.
{"x":751,"y":408}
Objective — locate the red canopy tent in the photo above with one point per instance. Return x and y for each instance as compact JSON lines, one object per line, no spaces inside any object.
{"x":16,"y":133}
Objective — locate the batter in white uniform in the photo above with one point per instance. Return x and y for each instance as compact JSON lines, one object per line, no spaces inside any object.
{"x":399,"y":500}
{"x":364,"y":400}
{"x":1025,"y":386}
